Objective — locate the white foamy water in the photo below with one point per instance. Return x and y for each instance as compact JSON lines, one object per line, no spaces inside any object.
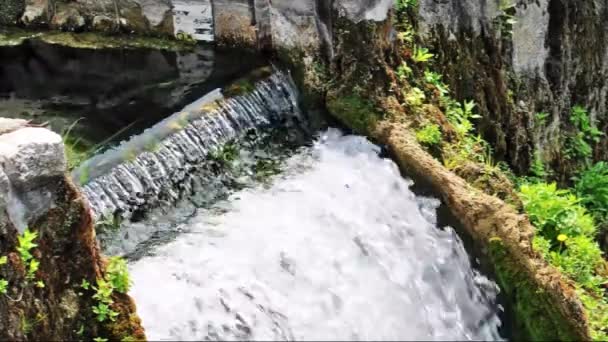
{"x":338,"y":247}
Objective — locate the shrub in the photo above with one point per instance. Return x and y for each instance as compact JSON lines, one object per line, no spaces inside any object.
{"x":429,"y":135}
{"x":591,"y":186}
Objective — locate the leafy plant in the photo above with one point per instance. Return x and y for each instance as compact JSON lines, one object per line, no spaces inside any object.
{"x":415,"y":97}
{"x":429,"y":135}
{"x":579,"y":143}
{"x":435,"y":79}
{"x":118,"y":274}
{"x":540,"y":118}
{"x":402,"y":5}
{"x":554,"y":211}
{"x":26,"y":244}
{"x":591,"y":186}
{"x":3,"y":286}
{"x":404,"y":71}
{"x":103,"y":295}
{"x":421,"y":55}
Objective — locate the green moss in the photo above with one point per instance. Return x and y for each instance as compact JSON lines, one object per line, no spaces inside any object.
{"x":354,"y":111}
{"x":101,"y":41}
{"x":536,"y":317}
{"x":88,"y":40}
{"x":13,"y":36}
{"x":246,"y":84}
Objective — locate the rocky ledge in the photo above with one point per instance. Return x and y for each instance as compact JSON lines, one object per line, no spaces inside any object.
{"x":49,"y":259}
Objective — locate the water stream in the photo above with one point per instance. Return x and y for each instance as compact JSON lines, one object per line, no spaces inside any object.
{"x":336,"y":246}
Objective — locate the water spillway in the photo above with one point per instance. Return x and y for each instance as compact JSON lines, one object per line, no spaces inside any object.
{"x":337,"y":247}
{"x":332,"y":244}
{"x":156,"y":167}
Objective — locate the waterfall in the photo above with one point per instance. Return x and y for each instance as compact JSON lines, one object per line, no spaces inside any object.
{"x":158,"y":166}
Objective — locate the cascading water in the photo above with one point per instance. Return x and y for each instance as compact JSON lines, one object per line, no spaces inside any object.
{"x":337,"y":247}
{"x":158,"y":166}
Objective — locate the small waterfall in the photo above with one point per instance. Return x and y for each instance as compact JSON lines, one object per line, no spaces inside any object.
{"x":157,"y":167}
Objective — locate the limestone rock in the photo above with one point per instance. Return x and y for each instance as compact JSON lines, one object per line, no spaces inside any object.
{"x":103,"y":23}
{"x":10,"y":125}
{"x":68,"y":19}
{"x":36,"y":12}
{"x":31,"y":155}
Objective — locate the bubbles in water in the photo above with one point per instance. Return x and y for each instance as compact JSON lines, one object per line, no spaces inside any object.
{"x":337,"y":248}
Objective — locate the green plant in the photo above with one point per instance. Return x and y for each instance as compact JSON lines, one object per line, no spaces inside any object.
{"x":506,"y":17}
{"x":579,"y":143}
{"x":26,"y":244}
{"x":402,"y":5}
{"x":118,"y":274}
{"x":554,"y":211}
{"x":3,"y":286}
{"x":540,"y":118}
{"x":537,"y":168}
{"x":415,"y":97}
{"x":421,"y":55}
{"x":404,"y":71}
{"x":100,"y":339}
{"x":435,"y":79}
{"x":103,"y":295}
{"x":429,"y":135}
{"x":591,"y":186}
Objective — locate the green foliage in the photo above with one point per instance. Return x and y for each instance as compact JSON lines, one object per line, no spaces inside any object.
{"x":591,"y":186}
{"x":404,"y":71}
{"x":554,"y":211}
{"x":103,"y":295}
{"x":26,"y":244}
{"x":3,"y":286}
{"x":100,"y":339}
{"x":415,"y":97}
{"x":579,"y":144}
{"x":118,"y":274}
{"x":538,"y":171}
{"x":565,"y":237}
{"x":116,"y":279}
{"x":421,"y":55}
{"x":597,"y":309}
{"x":436,"y":80}
{"x":506,"y":18}
{"x":402,"y":5}
{"x":540,"y":118}
{"x":360,"y":113}
{"x":429,"y":135}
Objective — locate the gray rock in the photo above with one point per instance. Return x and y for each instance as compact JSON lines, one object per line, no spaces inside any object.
{"x":36,"y":12}
{"x":9,"y":125}
{"x":103,"y":23}
{"x":359,"y":10}
{"x":68,"y":19}
{"x":31,"y":156}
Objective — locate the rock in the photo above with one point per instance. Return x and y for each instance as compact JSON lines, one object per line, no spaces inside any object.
{"x":103,"y":23}
{"x":68,"y":19}
{"x":10,"y":125}
{"x":359,"y":10}
{"x":10,"y":11}
{"x":31,"y":156}
{"x":36,"y":12}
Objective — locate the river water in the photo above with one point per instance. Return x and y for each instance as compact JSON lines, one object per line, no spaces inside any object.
{"x":336,"y":246}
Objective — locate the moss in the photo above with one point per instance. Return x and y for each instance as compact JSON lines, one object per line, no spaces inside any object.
{"x":356,"y":112}
{"x":246,"y":84}
{"x":536,"y":318}
{"x":88,"y":40}
{"x":101,"y":41}
{"x":14,"y":37}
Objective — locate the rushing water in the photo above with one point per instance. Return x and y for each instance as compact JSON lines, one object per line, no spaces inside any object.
{"x":336,"y":247}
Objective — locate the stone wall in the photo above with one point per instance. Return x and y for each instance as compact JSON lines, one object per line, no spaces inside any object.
{"x":48,"y":304}
{"x":552,"y":58}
